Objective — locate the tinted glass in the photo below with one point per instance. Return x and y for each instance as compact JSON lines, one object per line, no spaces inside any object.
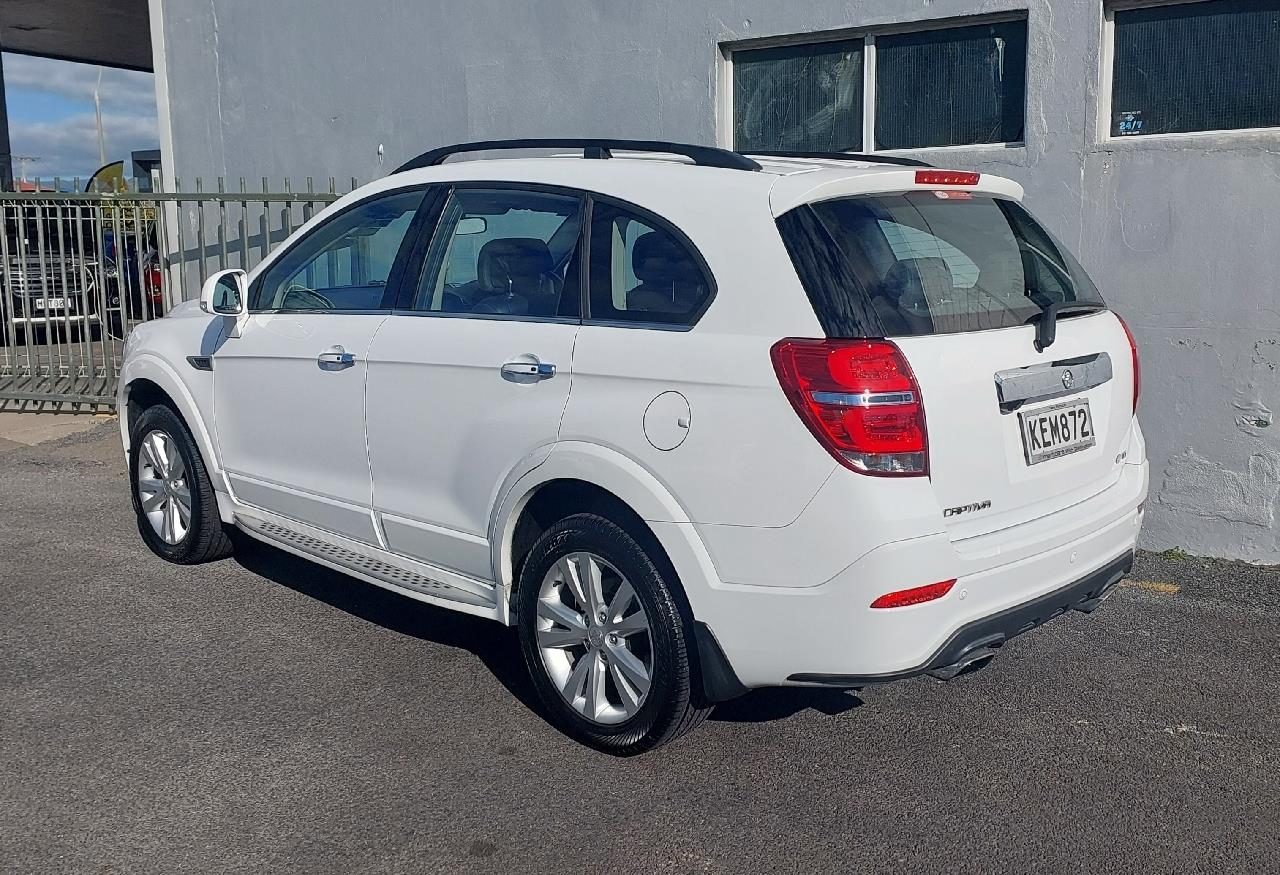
{"x":344,"y":264}
{"x":640,"y":272}
{"x":798,"y":97}
{"x":504,"y":252}
{"x":928,"y":263}
{"x":951,"y":87}
{"x":1196,"y":67}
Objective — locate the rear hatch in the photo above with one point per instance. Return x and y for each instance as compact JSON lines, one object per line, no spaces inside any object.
{"x":1025,"y":411}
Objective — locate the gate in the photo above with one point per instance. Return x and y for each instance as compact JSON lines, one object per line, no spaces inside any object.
{"x":79,"y":270}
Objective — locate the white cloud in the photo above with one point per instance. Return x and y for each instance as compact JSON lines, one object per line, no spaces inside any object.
{"x":120,"y":88}
{"x":69,"y":147}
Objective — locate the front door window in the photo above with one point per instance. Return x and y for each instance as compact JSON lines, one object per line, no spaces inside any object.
{"x":344,"y":264}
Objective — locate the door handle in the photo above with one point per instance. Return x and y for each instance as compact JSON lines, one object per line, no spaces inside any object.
{"x":335,"y":358}
{"x":528,"y":369}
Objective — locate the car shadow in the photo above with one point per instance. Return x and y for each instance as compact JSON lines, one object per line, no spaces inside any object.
{"x":779,"y":703}
{"x":498,"y":648}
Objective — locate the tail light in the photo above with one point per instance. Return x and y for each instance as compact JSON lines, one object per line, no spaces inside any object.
{"x":860,"y":400}
{"x":1137,"y":369}
{"x":915,"y":595}
{"x":155,"y":285}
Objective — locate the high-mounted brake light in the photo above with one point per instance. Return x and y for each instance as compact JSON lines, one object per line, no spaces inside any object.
{"x":860,"y":400}
{"x":1137,"y":368}
{"x":946,"y":177}
{"x":915,"y":595}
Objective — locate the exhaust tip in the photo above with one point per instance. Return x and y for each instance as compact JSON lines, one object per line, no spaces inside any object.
{"x":973,"y":659}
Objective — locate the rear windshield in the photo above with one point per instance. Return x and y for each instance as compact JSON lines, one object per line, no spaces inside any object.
{"x":928,"y":262}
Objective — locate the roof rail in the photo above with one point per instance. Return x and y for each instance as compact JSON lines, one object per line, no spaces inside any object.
{"x":840,"y":156}
{"x":706,"y":156}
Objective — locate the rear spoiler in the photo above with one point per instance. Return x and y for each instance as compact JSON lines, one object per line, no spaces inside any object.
{"x":792,"y":191}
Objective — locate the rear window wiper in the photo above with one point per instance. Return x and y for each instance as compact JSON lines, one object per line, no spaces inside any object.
{"x":1047,"y":319}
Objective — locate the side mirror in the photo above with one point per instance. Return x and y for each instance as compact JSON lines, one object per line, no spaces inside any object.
{"x":225,"y":293}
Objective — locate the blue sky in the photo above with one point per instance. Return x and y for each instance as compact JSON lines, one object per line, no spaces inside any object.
{"x":51,"y":114}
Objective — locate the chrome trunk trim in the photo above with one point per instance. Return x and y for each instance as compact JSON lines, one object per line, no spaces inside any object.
{"x":1018,"y":386}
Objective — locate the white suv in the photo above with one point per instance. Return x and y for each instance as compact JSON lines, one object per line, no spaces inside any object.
{"x":694,"y":421}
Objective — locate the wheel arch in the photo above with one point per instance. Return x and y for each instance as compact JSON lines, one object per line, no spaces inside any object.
{"x":147,"y":379}
{"x":616,"y":479}
{"x":593,"y":479}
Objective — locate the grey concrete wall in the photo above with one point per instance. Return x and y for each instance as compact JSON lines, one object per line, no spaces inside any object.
{"x":1180,"y":233}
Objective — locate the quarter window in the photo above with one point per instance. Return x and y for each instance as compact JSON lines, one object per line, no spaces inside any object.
{"x":1205,"y":66}
{"x":504,"y":252}
{"x":344,"y":264}
{"x":641,"y":272}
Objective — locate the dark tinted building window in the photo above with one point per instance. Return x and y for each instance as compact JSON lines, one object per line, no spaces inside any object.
{"x":951,"y":87}
{"x":806,"y":98}
{"x":1196,"y":67}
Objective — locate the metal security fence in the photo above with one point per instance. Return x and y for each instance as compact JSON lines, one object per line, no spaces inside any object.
{"x":78,"y":270}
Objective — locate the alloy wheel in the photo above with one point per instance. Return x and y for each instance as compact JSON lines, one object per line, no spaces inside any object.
{"x":594,"y":638}
{"x":163,"y":491}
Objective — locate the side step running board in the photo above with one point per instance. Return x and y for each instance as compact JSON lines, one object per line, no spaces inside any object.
{"x":361,"y":564}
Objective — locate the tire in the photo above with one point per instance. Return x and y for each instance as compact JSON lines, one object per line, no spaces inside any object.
{"x":203,"y":538}
{"x":623,"y":724}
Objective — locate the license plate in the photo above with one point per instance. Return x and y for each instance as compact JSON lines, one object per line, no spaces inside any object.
{"x":1053,"y":432}
{"x":51,"y":303}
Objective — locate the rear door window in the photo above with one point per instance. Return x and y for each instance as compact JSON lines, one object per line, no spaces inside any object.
{"x":928,"y":262}
{"x":504,"y":252}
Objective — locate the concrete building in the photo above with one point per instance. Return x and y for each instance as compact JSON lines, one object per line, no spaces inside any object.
{"x":1169,"y":193}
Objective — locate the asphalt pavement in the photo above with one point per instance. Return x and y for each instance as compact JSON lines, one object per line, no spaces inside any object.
{"x":263,"y":714}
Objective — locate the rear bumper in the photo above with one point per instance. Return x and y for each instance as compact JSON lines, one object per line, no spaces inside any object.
{"x":1006,"y":583}
{"x":980,"y":638}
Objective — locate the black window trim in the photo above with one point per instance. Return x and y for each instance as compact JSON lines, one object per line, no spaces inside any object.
{"x":432,"y":210}
{"x":390,"y":292}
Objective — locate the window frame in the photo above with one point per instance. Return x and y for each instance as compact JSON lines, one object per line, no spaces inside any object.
{"x":432,"y":211}
{"x":1106,"y":86}
{"x":395,"y":278}
{"x":724,"y":78}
